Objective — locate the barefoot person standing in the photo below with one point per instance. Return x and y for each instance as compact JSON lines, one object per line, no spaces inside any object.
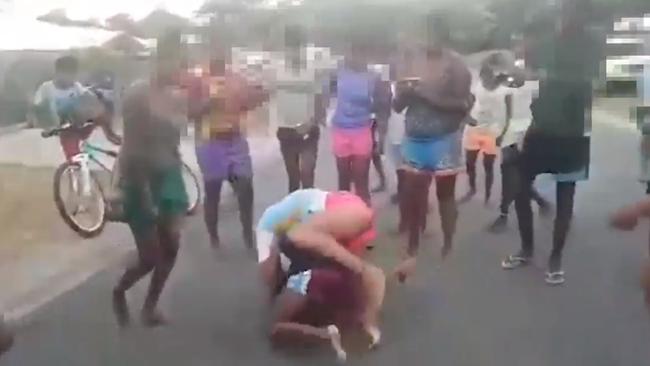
{"x":154,"y":196}
{"x":222,"y":149}
{"x":438,"y":101}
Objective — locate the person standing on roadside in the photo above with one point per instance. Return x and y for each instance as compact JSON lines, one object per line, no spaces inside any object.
{"x":298,"y":107}
{"x":491,"y":117}
{"x":153,"y":192}
{"x":438,"y":101}
{"x":558,"y":139}
{"x":222,"y":149}
{"x":522,"y":91}
{"x":357,"y":91}
{"x":380,"y":125}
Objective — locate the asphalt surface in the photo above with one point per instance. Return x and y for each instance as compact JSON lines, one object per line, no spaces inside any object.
{"x":466,"y":311}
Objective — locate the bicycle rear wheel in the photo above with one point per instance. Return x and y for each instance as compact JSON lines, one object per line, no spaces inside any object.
{"x":193,"y":189}
{"x":83,"y":213}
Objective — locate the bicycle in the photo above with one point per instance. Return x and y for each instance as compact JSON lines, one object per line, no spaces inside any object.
{"x":86,"y":188}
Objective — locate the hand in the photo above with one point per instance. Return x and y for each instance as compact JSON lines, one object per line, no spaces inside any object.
{"x":499,"y":140}
{"x":625,"y":219}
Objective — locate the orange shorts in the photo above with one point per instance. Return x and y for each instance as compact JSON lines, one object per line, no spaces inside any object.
{"x":479,"y":139}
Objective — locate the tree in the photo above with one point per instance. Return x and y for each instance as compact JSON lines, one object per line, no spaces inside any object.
{"x":123,"y":22}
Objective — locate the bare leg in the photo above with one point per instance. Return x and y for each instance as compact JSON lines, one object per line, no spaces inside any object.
{"x":243,"y":187}
{"x":378,"y":163}
{"x":414,"y":208}
{"x":360,"y":176}
{"x":446,"y":190}
{"x":343,"y":166}
{"x":401,"y":196}
{"x":308,"y":157}
{"x":488,"y":165}
{"x":471,"y":156}
{"x":169,"y":240}
{"x":291,"y":160}
{"x":146,"y":242}
{"x":211,"y":210}
{"x":291,"y":304}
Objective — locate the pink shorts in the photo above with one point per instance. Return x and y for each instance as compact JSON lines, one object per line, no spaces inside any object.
{"x":348,"y":142}
{"x":359,"y":244}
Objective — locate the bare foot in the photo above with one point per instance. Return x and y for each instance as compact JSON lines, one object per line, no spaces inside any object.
{"x":444,"y":251}
{"x":152,"y":318}
{"x":335,"y":340}
{"x":405,"y":269}
{"x":375,"y":336}
{"x":121,"y":308}
{"x":215,"y":243}
{"x":468,"y":196}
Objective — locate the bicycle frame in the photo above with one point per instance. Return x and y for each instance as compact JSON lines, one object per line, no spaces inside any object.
{"x":88,"y":154}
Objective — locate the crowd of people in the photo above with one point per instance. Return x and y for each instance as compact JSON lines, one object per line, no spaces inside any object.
{"x":426,"y":112}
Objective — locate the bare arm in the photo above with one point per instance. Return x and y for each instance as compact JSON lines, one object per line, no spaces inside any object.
{"x":308,"y":238}
{"x":506,"y":127}
{"x":456,"y":98}
{"x":106,"y":123}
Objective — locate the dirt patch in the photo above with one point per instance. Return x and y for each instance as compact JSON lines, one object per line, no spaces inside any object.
{"x":28,"y":214}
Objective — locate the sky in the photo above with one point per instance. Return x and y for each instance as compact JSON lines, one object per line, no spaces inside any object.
{"x":84,"y":9}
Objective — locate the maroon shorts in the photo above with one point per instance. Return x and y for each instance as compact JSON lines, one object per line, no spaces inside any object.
{"x":336,"y":291}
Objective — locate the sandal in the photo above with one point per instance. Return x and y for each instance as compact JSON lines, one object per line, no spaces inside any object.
{"x":555,"y":278}
{"x":514,"y":261}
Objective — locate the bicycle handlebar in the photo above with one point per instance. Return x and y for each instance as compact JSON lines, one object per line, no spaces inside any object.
{"x":65,"y":127}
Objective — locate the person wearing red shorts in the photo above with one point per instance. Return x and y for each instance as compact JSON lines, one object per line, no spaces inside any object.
{"x":64,"y":100}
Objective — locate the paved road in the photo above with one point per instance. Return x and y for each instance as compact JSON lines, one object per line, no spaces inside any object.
{"x":466,"y":311}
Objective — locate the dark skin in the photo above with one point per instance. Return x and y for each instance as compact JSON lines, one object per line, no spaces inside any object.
{"x":157,"y":243}
{"x":355,"y":170}
{"x":443,"y":82}
{"x":236,"y":97}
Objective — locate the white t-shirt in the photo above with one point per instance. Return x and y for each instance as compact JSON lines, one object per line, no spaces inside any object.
{"x":490,"y":108}
{"x":49,"y":92}
{"x":293,"y":91}
{"x":396,"y":124}
{"x":522,"y":97}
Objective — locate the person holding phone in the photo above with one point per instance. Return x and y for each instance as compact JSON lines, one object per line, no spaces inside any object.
{"x":438,"y":101}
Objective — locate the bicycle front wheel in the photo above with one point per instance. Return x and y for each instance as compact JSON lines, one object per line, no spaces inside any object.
{"x":83,"y":210}
{"x":193,"y":189}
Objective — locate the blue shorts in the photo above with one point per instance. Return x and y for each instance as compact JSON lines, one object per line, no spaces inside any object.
{"x":575,"y":176}
{"x":299,"y":283}
{"x":439,"y":155}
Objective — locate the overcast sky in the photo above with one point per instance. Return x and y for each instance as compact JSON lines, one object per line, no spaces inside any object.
{"x":82,"y":9}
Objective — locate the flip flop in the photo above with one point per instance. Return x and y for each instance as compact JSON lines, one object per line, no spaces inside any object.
{"x":514,"y":261}
{"x":555,"y":278}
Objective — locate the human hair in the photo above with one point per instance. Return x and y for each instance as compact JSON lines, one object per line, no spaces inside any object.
{"x":66,"y":64}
